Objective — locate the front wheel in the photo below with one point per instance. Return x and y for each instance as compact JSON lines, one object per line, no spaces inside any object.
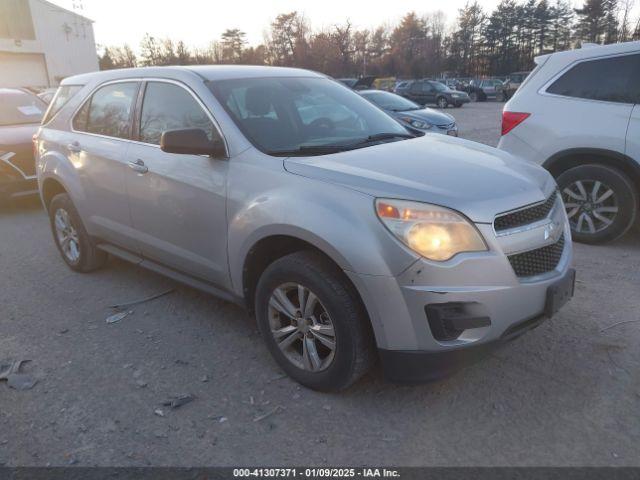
{"x":473,"y":96}
{"x":601,"y":202}
{"x":442,"y":102}
{"x":313,"y":322}
{"x":71,"y":238}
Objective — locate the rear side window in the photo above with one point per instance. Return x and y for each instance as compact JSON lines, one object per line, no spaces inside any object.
{"x":170,"y":107}
{"x":610,"y":79}
{"x":61,"y":97}
{"x":108,"y":111}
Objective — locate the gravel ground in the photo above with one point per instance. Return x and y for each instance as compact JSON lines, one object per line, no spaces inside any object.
{"x":567,"y":393}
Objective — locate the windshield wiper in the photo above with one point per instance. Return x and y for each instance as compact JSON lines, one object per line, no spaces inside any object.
{"x":384,"y":136}
{"x":326,"y":149}
{"x":312,"y":150}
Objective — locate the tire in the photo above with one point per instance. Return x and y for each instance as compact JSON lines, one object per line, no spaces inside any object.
{"x":84,"y":256}
{"x":586,"y":209}
{"x":442,"y":102}
{"x":473,"y":96}
{"x":353,"y":353}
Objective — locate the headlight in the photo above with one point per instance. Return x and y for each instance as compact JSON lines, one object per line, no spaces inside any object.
{"x":417,"y":123}
{"x":434,"y":232}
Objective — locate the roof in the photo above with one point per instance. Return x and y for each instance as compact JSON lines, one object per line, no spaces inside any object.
{"x":593,"y":51}
{"x":206,"y":72}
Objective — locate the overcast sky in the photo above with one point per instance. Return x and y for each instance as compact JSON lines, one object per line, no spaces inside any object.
{"x":198,"y":22}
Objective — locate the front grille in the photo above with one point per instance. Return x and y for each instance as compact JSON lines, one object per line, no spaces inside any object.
{"x":447,"y":126}
{"x":538,"y":261}
{"x":525,"y":216}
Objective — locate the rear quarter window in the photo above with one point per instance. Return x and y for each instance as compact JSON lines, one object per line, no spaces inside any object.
{"x":612,"y":79}
{"x":62,"y":96}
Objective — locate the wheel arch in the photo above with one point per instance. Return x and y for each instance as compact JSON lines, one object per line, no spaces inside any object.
{"x":268,"y":249}
{"x":51,"y":186}
{"x":567,"y":159}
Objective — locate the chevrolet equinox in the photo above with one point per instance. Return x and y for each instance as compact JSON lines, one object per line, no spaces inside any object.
{"x":348,"y":238}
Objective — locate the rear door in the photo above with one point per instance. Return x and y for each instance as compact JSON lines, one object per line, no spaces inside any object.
{"x":416,"y":92}
{"x":178,"y":202}
{"x":97,"y":147}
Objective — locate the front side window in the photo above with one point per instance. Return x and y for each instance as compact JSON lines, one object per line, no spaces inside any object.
{"x":18,"y":107}
{"x":167,"y":106}
{"x":61,"y":97}
{"x":438,"y":87}
{"x":280,"y":115}
{"x":108,"y":111}
{"x":609,"y":79}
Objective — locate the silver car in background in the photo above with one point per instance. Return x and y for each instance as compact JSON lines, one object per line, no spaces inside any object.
{"x":282,"y":190}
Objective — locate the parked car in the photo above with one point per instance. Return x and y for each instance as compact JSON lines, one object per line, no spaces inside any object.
{"x":483,"y":90}
{"x":578,"y":115}
{"x":414,"y":117}
{"x":20,"y":115}
{"x":401,"y":87}
{"x":425,"y":92}
{"x":361,"y":83}
{"x":47,"y":94}
{"x":346,"y":236}
{"x":512,"y":83}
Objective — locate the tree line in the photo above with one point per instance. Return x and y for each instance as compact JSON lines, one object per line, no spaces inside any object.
{"x":479,"y":43}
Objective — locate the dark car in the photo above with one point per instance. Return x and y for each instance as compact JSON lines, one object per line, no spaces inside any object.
{"x":426,"y":92}
{"x":20,"y":114}
{"x":483,"y":90}
{"x":414,"y":117}
{"x":358,"y":83}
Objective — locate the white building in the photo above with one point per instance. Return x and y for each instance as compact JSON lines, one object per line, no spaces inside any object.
{"x":42,"y":43}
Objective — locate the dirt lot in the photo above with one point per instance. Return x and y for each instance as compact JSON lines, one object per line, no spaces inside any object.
{"x":567,"y":393}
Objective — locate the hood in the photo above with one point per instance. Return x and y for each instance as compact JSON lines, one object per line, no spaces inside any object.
{"x":11,"y":135}
{"x":428,"y":115}
{"x":458,"y":92}
{"x":466,"y":176}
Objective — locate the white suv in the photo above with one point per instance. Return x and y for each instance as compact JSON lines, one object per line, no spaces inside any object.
{"x":578,"y":115}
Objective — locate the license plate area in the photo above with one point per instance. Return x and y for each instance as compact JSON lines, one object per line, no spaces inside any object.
{"x":560,"y":293}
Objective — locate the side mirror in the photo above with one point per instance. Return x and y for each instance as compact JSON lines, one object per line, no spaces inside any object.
{"x":191,"y":141}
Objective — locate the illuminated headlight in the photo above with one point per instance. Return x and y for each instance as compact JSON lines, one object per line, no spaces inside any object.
{"x":417,"y":123}
{"x":434,"y":232}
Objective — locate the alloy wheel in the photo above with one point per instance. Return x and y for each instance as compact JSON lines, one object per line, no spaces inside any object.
{"x":67,"y":235}
{"x":442,"y":103}
{"x":591,"y":205}
{"x":301,"y":327}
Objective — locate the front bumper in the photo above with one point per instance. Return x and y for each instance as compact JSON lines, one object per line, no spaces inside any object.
{"x":494,"y":301}
{"x":460,"y":100}
{"x":411,"y":366}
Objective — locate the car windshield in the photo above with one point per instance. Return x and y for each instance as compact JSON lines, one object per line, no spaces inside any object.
{"x":390,"y":101}
{"x":439,"y":86}
{"x":17,"y":107}
{"x":289,"y":116}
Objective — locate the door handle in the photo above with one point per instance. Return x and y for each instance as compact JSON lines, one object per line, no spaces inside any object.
{"x":138,"y":166}
{"x":74,"y":147}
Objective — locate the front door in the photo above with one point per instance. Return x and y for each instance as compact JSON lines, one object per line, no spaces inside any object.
{"x":178,"y":202}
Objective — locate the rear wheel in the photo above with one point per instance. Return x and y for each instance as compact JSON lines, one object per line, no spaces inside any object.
{"x":601,"y":202}
{"x":313,"y":322}
{"x":473,"y":96}
{"x":71,"y":238}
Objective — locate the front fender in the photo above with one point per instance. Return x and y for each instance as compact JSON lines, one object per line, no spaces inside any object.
{"x":338,"y":221}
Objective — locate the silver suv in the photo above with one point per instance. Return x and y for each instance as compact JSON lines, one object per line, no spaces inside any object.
{"x":282,"y":190}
